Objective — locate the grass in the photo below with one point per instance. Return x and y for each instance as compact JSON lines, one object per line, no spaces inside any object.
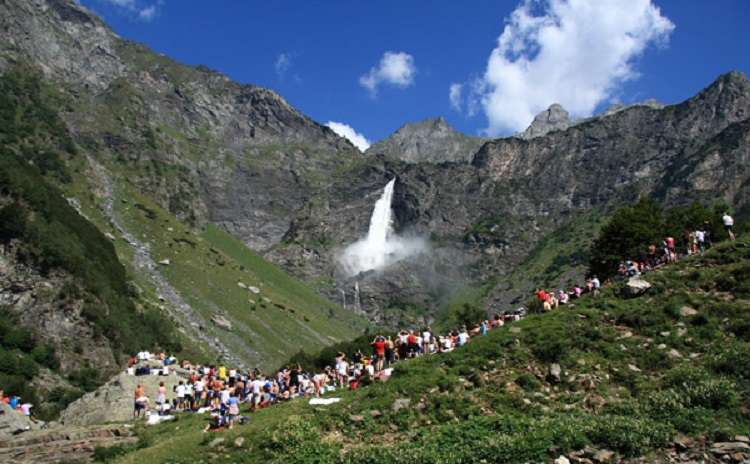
{"x":493,"y":400}
{"x":207,"y":267}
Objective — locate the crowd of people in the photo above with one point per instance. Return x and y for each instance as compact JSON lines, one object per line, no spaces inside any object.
{"x":219,"y":391}
{"x":696,"y":241}
{"x":14,"y":404}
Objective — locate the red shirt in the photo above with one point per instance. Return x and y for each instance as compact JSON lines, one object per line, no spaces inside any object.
{"x":379,"y":347}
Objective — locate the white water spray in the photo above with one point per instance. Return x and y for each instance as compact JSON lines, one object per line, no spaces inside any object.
{"x":381,"y":247}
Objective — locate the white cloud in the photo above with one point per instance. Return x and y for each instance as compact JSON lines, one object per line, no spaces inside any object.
{"x":282,"y":65}
{"x":148,"y":13}
{"x":141,"y":10}
{"x":345,"y":130}
{"x":574,"y":52}
{"x":454,"y":96}
{"x":130,"y":4}
{"x":396,"y":68}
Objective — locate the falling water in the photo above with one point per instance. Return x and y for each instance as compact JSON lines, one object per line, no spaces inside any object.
{"x":381,"y":247}
{"x":357,"y":302}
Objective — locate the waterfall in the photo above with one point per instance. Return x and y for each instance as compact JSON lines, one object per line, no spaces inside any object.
{"x":343,"y":298}
{"x":357,"y":302}
{"x":380,"y":247}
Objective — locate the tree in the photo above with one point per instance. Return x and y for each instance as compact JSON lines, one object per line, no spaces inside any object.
{"x":627,"y":235}
{"x":12,"y":222}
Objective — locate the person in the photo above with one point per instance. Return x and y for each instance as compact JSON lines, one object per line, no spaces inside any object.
{"x":180,"y":390}
{"x":671,"y":252}
{"x":728,"y":224}
{"x":707,"y":234}
{"x":700,"y":241}
{"x":412,"y":344}
{"x":161,"y":397}
{"x":595,"y":285}
{"x":379,"y":348}
{"x":426,"y":340}
{"x":140,"y":401}
{"x":463,"y":337}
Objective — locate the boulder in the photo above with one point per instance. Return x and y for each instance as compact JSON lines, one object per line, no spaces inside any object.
{"x":239,"y":441}
{"x":636,"y":286}
{"x":554,"y":372}
{"x":254,"y":290}
{"x":241,"y":285}
{"x":113,"y":401}
{"x":356,"y":418}
{"x":216,"y":442}
{"x":687,"y":311}
{"x":221,"y":322}
{"x":562,"y":460}
{"x":400,"y":403}
{"x":604,"y":456}
{"x":728,"y":447}
{"x":165,"y":262}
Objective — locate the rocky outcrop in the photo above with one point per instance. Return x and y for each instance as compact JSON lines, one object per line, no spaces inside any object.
{"x":49,"y":304}
{"x":553,"y":118}
{"x":71,"y":444}
{"x":113,"y":401}
{"x":430,"y":141}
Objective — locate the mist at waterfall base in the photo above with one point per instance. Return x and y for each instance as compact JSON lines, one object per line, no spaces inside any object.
{"x":381,"y":247}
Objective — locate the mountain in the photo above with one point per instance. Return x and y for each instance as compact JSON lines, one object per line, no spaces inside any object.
{"x":430,"y":140}
{"x":165,"y":160}
{"x":487,"y":217}
{"x":163,"y":143}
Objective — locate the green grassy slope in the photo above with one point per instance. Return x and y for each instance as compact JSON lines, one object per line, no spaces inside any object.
{"x":635,"y":372}
{"x":208,"y":266}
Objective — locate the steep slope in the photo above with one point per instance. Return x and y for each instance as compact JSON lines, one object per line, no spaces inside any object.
{"x":431,"y":141}
{"x":163,"y":151}
{"x":661,"y":377}
{"x":68,"y":313}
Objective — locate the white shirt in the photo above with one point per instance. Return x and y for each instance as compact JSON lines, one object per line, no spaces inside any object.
{"x":728,"y":221}
{"x":463,"y":337}
{"x":426,"y":336}
{"x":180,"y":391}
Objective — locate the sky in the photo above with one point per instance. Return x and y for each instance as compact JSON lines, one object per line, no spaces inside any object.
{"x":368,"y":67}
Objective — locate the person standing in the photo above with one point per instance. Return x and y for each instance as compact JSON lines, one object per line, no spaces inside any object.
{"x":728,"y":224}
{"x":379,"y":348}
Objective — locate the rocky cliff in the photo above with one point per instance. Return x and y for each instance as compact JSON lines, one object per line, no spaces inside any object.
{"x":430,"y":141}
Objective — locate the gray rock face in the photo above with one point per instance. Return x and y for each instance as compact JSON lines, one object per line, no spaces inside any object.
{"x":431,"y":141}
{"x":553,"y":118}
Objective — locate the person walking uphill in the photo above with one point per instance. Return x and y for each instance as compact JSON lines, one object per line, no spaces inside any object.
{"x":728,"y":224}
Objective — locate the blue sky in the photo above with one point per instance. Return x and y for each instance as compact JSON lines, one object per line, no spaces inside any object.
{"x":324,"y":57}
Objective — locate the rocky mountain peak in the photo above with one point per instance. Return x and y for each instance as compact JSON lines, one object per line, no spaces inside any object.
{"x":429,"y":140}
{"x":553,"y":118}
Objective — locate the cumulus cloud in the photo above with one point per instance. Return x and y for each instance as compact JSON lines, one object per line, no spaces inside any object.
{"x":282,"y":64}
{"x":395,"y":68}
{"x":574,"y":52}
{"x":347,"y":131}
{"x":454,"y":96}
